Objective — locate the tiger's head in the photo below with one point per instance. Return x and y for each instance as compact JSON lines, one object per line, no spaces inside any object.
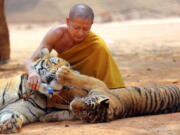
{"x":47,"y":66}
{"x":91,"y":109}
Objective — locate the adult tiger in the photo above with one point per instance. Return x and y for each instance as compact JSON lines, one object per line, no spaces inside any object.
{"x":102,"y":104}
{"x":89,"y":98}
{"x":20,"y":105}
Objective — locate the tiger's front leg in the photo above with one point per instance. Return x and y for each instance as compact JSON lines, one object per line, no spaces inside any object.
{"x":66,"y":76}
{"x":58,"y":116}
{"x":24,"y":111}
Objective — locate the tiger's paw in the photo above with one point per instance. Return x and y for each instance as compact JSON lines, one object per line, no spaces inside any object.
{"x":63,"y":73}
{"x":10,"y":123}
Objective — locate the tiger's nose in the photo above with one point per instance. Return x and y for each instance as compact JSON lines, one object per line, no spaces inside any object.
{"x":54,"y":69}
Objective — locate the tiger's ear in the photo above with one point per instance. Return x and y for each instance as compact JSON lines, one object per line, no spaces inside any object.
{"x":104,"y":101}
{"x":45,"y":53}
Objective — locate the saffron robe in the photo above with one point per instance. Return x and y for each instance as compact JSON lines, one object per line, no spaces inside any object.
{"x":92,"y":57}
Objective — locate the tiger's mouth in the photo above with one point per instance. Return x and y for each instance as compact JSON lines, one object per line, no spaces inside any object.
{"x":52,"y":82}
{"x":88,"y":115}
{"x":50,"y":78}
{"x":84,"y":115}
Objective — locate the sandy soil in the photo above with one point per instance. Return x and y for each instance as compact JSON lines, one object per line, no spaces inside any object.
{"x":147,"y":51}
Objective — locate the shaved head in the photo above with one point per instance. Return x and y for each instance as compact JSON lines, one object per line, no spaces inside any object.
{"x":81,"y":11}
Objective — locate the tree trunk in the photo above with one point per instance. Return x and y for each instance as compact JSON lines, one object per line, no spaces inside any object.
{"x":4,"y":36}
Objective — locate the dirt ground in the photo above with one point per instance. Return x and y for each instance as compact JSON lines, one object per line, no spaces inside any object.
{"x":147,"y":51}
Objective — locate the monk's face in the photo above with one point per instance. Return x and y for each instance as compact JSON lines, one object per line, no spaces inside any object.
{"x":78,"y":28}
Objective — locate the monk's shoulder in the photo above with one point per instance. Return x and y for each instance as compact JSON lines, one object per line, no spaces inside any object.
{"x":58,"y":31}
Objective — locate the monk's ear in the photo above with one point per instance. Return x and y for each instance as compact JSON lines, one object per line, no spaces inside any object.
{"x":45,"y":52}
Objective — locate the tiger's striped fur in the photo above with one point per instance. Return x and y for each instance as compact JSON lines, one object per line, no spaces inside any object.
{"x":102,"y":104}
{"x":89,"y":98}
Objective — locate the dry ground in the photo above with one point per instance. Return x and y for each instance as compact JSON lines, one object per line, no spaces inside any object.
{"x":147,"y":51}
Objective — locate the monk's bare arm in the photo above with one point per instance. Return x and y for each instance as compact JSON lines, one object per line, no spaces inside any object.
{"x":48,"y":42}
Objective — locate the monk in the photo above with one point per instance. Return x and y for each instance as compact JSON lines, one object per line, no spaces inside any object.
{"x":82,"y":48}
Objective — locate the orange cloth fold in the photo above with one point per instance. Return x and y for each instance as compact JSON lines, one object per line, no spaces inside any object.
{"x":91,"y":57}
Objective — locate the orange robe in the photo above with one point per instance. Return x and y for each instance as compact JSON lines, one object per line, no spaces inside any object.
{"x":92,"y":57}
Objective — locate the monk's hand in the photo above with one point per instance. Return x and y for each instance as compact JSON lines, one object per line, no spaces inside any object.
{"x":34,"y":80}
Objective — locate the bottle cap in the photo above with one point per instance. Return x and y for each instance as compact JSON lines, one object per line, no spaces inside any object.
{"x":50,"y":90}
